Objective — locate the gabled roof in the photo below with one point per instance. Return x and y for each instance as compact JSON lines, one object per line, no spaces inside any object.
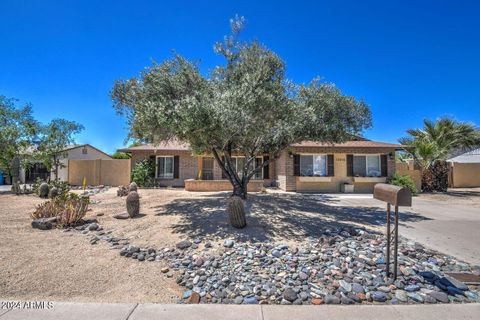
{"x":76,"y":146}
{"x":468,"y":157}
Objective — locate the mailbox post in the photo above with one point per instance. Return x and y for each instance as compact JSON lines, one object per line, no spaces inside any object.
{"x":394,"y":196}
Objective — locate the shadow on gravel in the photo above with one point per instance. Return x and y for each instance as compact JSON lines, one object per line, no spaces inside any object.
{"x":288,"y":216}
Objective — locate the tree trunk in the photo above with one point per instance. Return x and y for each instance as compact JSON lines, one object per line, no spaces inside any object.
{"x":435,"y":178}
{"x":240,"y":191}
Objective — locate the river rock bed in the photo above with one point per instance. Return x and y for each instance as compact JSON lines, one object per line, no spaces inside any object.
{"x":344,"y":266}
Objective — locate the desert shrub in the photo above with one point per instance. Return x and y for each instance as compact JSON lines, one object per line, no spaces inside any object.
{"x":404,"y":181}
{"x":62,"y":186}
{"x":143,"y":173}
{"x":69,"y":208}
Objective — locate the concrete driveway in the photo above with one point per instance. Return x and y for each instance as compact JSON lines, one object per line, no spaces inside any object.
{"x":448,"y":223}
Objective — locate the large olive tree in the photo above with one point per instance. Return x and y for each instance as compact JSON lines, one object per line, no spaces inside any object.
{"x":244,"y":107}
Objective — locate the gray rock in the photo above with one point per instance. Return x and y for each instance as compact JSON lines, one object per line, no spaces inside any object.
{"x":43,"y":223}
{"x":276,"y":253}
{"x":289,"y":295}
{"x":401,"y":295}
{"x":357,"y":288}
{"x":345,"y":285}
{"x":238,"y":300}
{"x":379,"y":296}
{"x":439,"y":296}
{"x":93,"y":226}
{"x":412,"y":288}
{"x":329,"y":299}
{"x":415,"y":297}
{"x":184,"y":244}
{"x":228,"y":243}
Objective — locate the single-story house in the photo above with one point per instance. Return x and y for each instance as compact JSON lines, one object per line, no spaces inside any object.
{"x":465,"y":170}
{"x":77,"y":152}
{"x":304,"y":167}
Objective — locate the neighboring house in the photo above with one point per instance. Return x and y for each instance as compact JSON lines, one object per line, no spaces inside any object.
{"x":77,"y":152}
{"x":304,"y":167}
{"x":465,"y":170}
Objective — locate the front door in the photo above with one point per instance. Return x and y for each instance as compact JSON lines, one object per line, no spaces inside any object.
{"x":207,"y":168}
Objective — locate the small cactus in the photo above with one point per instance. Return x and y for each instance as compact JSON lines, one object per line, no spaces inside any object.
{"x":133,"y":204}
{"x":236,"y":212}
{"x":53,"y":193}
{"x":43,"y":190}
{"x":133,"y":187}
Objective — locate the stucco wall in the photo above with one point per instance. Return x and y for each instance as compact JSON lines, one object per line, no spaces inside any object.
{"x":77,"y":154}
{"x":465,"y":175}
{"x":113,"y":172}
{"x":408,"y":169}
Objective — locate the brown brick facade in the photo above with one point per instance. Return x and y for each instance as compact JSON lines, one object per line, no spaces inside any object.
{"x":281,"y":170}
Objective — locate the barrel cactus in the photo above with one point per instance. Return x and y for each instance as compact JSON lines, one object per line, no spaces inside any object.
{"x":133,"y":204}
{"x":43,"y":190}
{"x":133,"y":187}
{"x":236,"y":212}
{"x":53,"y":193}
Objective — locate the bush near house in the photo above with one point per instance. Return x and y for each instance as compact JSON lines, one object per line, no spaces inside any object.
{"x":404,"y":181}
{"x":143,"y":173}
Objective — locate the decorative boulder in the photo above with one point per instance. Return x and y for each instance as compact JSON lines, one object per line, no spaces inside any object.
{"x":236,"y":212}
{"x":133,"y":187}
{"x":44,"y":223}
{"x":43,"y":190}
{"x":133,"y":204}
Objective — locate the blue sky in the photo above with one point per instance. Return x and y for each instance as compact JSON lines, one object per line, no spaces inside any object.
{"x":409,"y":60}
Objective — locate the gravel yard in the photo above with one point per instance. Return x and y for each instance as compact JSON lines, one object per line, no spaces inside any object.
{"x":65,"y":266}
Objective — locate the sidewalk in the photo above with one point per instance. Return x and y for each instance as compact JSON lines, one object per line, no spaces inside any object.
{"x":93,"y":311}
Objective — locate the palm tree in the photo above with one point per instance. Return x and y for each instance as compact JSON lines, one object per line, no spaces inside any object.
{"x":431,"y":146}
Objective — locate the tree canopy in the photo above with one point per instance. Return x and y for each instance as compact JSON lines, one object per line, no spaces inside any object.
{"x":246,"y":106}
{"x":431,"y":146}
{"x":437,"y":140}
{"x":55,"y":136}
{"x":18,"y":130}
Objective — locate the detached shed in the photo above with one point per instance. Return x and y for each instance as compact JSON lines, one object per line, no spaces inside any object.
{"x":465,"y":170}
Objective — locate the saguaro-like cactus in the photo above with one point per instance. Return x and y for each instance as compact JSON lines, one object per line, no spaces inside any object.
{"x":133,"y":187}
{"x":236,"y":212}
{"x":133,"y":204}
{"x":43,"y":190}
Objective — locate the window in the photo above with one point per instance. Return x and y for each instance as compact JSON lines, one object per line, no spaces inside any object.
{"x":239,"y":163}
{"x":207,"y":168}
{"x":313,"y":165}
{"x":367,"y":166}
{"x":165,"y":167}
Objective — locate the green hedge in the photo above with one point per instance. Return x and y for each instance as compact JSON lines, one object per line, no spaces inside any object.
{"x":404,"y":181}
